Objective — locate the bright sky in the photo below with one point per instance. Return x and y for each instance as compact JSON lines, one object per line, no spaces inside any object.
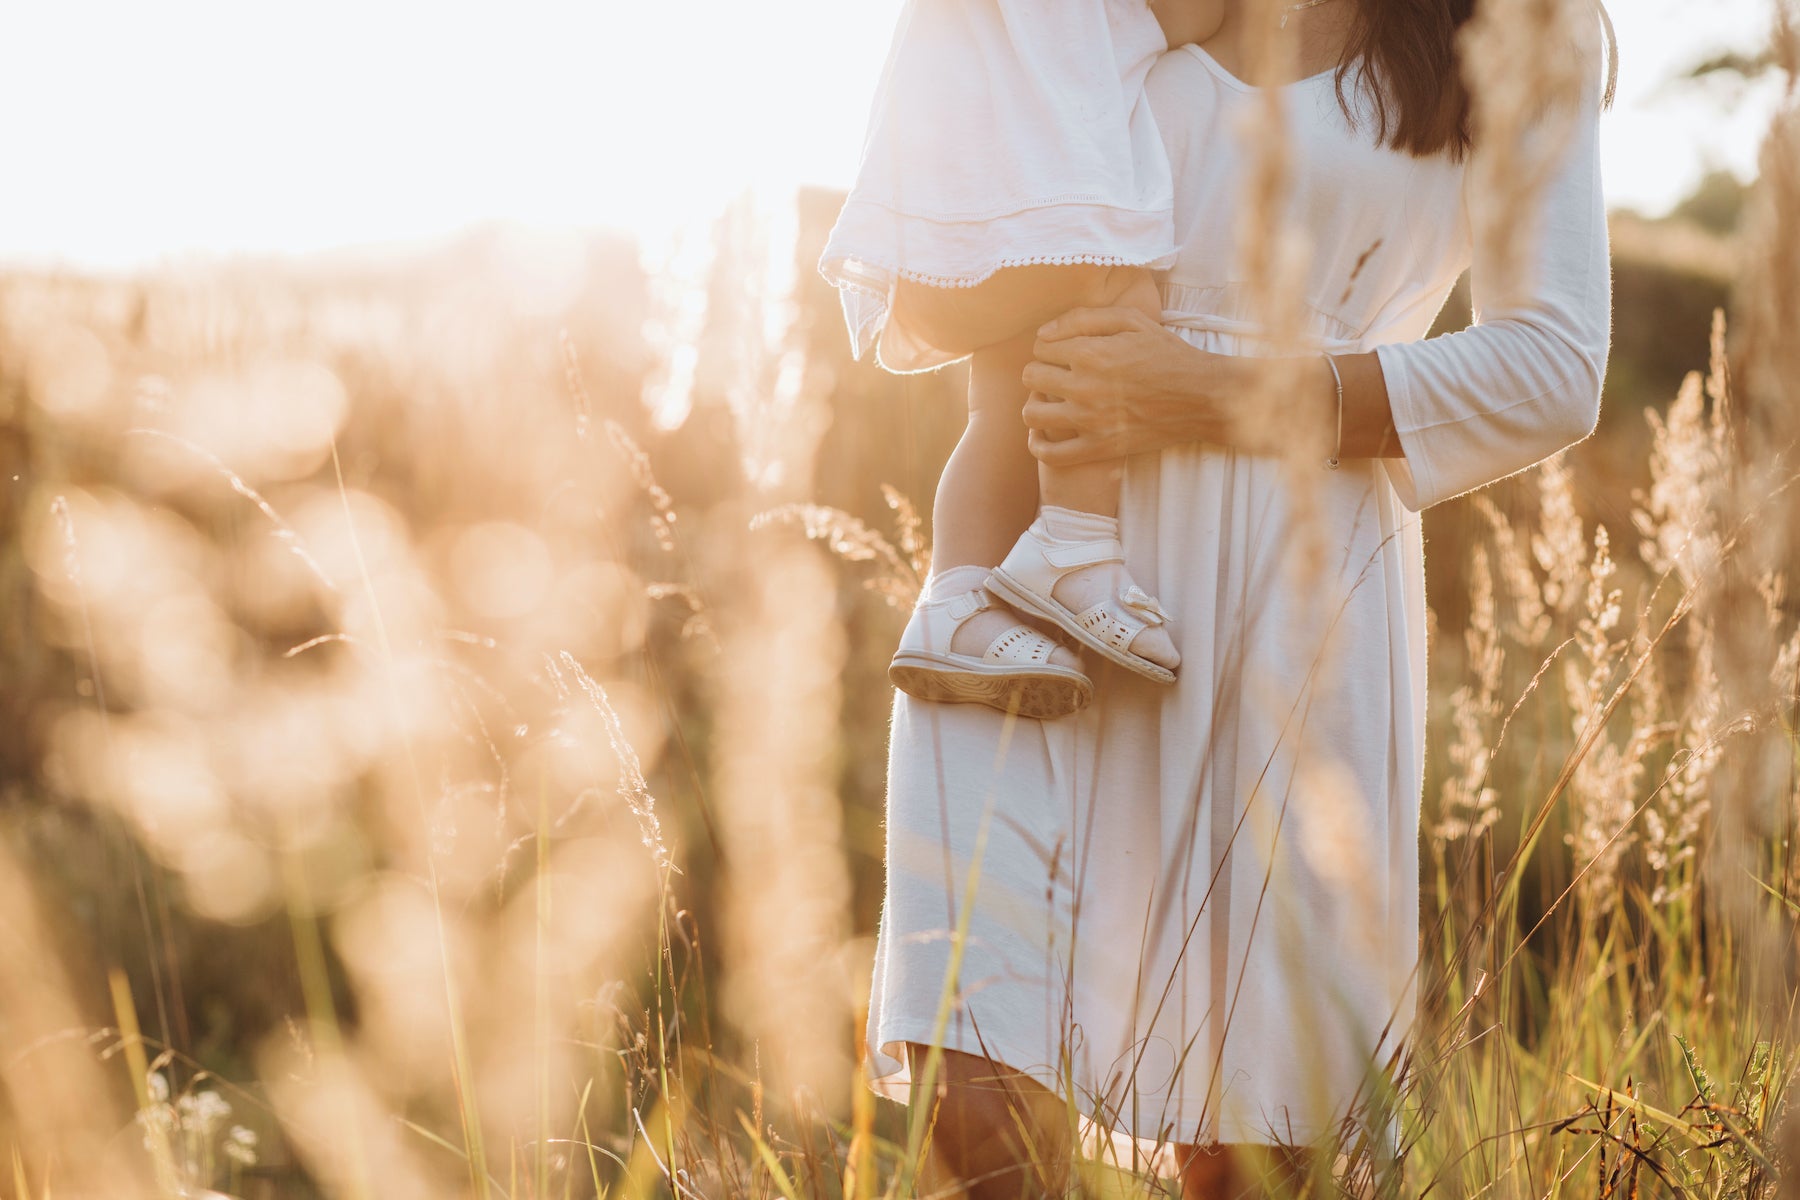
{"x":132,"y":132}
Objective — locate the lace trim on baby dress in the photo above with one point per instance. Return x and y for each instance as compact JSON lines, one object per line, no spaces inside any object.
{"x":871,"y":242}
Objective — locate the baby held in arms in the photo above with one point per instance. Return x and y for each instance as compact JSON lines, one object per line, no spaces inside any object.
{"x":1011,"y":172}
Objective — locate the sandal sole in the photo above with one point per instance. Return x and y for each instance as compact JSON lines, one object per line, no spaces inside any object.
{"x":1039,"y":696}
{"x":1009,"y":590}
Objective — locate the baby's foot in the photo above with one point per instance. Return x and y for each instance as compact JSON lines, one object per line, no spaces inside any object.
{"x":1080,"y":590}
{"x":966,"y":648}
{"x":1080,"y":584}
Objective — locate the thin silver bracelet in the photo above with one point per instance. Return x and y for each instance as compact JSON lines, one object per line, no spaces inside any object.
{"x":1338,"y":449}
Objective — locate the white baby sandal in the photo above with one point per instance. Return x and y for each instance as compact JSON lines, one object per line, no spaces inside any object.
{"x":1014,"y":674}
{"x":1027,"y":580}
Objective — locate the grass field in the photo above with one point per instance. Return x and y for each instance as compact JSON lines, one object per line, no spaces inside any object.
{"x":441,"y":738}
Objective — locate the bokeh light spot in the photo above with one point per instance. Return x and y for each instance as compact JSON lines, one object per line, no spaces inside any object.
{"x":502,"y":570}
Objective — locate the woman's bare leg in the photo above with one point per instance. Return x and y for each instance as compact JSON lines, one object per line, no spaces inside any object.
{"x":1230,"y":1172}
{"x":1000,"y":1135}
{"x":995,"y":1134}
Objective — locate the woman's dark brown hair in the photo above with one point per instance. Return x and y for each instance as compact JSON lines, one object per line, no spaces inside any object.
{"x":1402,"y":56}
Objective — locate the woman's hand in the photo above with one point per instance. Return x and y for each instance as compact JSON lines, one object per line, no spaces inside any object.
{"x":1110,"y":382}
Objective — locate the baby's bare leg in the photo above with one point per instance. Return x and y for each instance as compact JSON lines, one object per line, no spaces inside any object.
{"x":1093,"y":488}
{"x":988,"y":492}
{"x":991,"y":486}
{"x":1007,"y":304}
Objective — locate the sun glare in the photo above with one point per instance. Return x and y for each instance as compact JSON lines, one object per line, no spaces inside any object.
{"x":210,"y":127}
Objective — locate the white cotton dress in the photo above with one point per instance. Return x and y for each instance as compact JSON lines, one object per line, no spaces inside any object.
{"x":1003,"y":133}
{"x":1196,"y":907}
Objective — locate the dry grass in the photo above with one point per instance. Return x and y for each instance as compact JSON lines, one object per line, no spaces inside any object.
{"x":428,"y":775}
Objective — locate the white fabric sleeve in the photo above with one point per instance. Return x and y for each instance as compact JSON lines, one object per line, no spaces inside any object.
{"x":1523,"y":381}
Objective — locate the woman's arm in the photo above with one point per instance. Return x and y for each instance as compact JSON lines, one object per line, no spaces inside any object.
{"x":1122,"y":384}
{"x":1523,"y":381}
{"x":1447,"y":415}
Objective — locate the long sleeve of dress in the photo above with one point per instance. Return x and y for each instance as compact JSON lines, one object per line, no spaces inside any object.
{"x":1524,"y":380}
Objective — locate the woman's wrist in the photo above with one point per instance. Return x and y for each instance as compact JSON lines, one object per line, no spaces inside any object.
{"x":1368,"y":414}
{"x":1271,"y":406}
{"x":1262,"y":405}
{"x":1211,"y":381}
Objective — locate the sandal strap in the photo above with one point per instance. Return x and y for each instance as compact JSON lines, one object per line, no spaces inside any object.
{"x":966,"y":604}
{"x":1036,"y":561}
{"x":1020,"y":644}
{"x":1067,"y":556}
{"x":1109,"y":627}
{"x":1118,"y":621}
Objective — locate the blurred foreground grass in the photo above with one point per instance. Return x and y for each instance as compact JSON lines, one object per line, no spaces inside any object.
{"x":443,"y":719}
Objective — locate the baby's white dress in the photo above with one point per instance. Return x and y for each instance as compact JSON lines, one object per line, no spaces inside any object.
{"x":1197,"y":907}
{"x":1003,"y":133}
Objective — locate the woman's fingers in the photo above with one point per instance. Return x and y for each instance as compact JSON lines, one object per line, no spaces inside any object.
{"x":1051,"y":416}
{"x":1048,"y":378}
{"x":1093,"y":322}
{"x":1081,"y":351}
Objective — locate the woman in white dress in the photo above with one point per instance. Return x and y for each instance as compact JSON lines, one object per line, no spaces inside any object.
{"x":1193,"y":911}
